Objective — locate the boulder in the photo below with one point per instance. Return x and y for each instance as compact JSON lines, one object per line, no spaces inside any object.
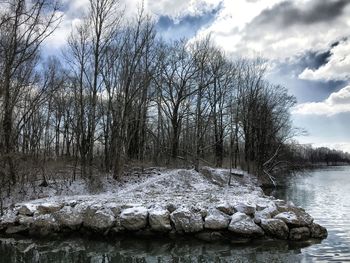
{"x":295,"y":218}
{"x":171,"y":207}
{"x":116,"y":209}
{"x":69,"y":217}
{"x":49,"y":208}
{"x":44,"y":225}
{"x":100,"y":219}
{"x":226,"y":208}
{"x":275,"y":228}
{"x":186,"y":221}
{"x":245,"y":208}
{"x":260,"y":215}
{"x":25,"y":220}
{"x":242,"y":224}
{"x":159,"y":219}
{"x":26,"y":209}
{"x":318,"y":231}
{"x":16,"y":229}
{"x":216,"y":220}
{"x":299,"y":233}
{"x":134,"y":218}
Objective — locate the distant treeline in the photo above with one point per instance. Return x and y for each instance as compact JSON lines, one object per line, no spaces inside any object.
{"x":305,"y":155}
{"x":121,"y":95}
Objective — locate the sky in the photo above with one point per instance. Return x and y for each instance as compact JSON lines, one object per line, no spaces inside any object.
{"x":306,"y":42}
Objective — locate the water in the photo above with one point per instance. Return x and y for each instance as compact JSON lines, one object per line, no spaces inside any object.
{"x":325,"y":194}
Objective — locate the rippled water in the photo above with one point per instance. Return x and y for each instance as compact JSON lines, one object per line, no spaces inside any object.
{"x":325,"y":194}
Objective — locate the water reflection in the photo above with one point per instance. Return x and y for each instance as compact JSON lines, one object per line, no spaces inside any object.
{"x":136,"y":250}
{"x":325,"y":194}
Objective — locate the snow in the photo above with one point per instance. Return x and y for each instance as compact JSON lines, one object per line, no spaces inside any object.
{"x":177,"y":186}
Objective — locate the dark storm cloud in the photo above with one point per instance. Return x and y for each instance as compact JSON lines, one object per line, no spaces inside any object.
{"x":186,"y":26}
{"x":288,"y":13}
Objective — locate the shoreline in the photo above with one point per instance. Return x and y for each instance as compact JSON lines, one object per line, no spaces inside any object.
{"x":227,"y":213}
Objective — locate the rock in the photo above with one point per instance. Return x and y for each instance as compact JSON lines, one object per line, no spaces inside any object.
{"x":318,"y":231}
{"x":69,"y":217}
{"x":284,"y":206}
{"x":49,"y":208}
{"x":242,"y":224}
{"x":116,"y":209}
{"x":299,"y":233}
{"x":260,"y":215}
{"x":100,"y":219}
{"x":226,"y":208}
{"x":216,"y":220}
{"x":44,"y":225}
{"x":186,"y":221}
{"x":27,"y":209}
{"x":245,"y":208}
{"x":295,"y":218}
{"x":134,"y":218}
{"x":16,"y":229}
{"x":9,"y":218}
{"x":159,"y":219}
{"x":275,"y":228}
{"x":171,"y":207}
{"x":25,"y":220}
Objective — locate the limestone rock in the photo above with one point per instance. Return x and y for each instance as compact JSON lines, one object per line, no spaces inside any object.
{"x":99,"y":219}
{"x":9,"y":218}
{"x":295,"y":218}
{"x":260,"y":215}
{"x":275,"y":227}
{"x":69,"y":217}
{"x":245,"y":208}
{"x":242,"y":224}
{"x":44,"y":225}
{"x":226,"y":208}
{"x":171,"y":207}
{"x":299,"y":233}
{"x":27,"y":209}
{"x":159,"y":219}
{"x":116,"y":209}
{"x":186,"y":221}
{"x":134,"y":218}
{"x":25,"y":220}
{"x":216,"y":220}
{"x":16,"y":229}
{"x":318,"y":231}
{"x":48,"y":208}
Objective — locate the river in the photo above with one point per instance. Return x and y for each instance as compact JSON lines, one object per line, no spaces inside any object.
{"x":324,"y":193}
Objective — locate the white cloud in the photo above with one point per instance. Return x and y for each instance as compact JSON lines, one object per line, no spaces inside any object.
{"x":337,"y":102}
{"x":337,"y":67}
{"x":179,"y":8}
{"x":242,"y":27}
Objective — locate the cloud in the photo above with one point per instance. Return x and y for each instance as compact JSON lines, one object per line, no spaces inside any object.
{"x":289,"y":13}
{"x":278,"y":29}
{"x":337,"y":102}
{"x":180,"y":8}
{"x":187,"y":26}
{"x":336,"y":68}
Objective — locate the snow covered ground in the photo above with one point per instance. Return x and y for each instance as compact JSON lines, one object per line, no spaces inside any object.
{"x":177,"y":187}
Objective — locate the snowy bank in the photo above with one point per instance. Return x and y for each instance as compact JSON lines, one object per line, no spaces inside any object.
{"x":174,"y":202}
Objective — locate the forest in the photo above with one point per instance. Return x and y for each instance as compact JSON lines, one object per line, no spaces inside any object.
{"x":120,"y":96}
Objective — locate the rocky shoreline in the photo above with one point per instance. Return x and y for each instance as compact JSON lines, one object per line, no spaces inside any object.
{"x":224,"y":220}
{"x":275,"y":219}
